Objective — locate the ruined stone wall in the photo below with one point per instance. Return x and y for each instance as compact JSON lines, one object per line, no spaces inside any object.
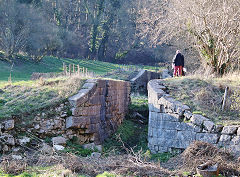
{"x":172,"y":125}
{"x":91,"y":116}
{"x":98,"y":109}
{"x":139,"y":82}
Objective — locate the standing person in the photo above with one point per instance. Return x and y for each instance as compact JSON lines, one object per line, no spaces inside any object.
{"x":178,"y":64}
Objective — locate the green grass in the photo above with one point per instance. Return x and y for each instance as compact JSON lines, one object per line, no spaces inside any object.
{"x":23,"y":69}
{"x":74,"y":148}
{"x":29,"y":96}
{"x":106,"y":174}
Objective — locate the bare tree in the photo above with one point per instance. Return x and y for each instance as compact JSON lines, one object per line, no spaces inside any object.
{"x":213,"y":27}
{"x":13,"y":31}
{"x":23,"y":29}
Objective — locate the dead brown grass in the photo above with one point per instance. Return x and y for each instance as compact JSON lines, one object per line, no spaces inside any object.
{"x":200,"y":152}
{"x":66,"y":163}
{"x":131,"y":164}
{"x":204,"y":95}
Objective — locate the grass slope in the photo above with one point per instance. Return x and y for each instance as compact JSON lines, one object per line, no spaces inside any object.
{"x":38,"y":95}
{"x":24,"y":69}
{"x":204,"y":95}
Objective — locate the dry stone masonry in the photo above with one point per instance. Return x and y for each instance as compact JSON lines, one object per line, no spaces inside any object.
{"x":172,"y":126}
{"x":91,"y":115}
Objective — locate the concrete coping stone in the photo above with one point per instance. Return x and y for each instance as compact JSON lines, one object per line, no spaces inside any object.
{"x":198,"y":119}
{"x":73,"y":99}
{"x":91,"y":80}
{"x":89,"y":85}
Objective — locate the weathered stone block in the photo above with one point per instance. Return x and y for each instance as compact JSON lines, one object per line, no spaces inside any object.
{"x":150,"y":131}
{"x":238,"y":131}
{"x":198,"y":119}
{"x":95,"y":119}
{"x":166,"y":134}
{"x":234,"y":149}
{"x":92,"y":128}
{"x":96,"y":99}
{"x":229,"y":130}
{"x":185,"y":127}
{"x":167,"y":102}
{"x":59,"y":140}
{"x":180,"y":108}
{"x":168,"y":125}
{"x":224,"y":140}
{"x":207,"y":137}
{"x":219,"y":128}
{"x":77,"y":122}
{"x":183,"y":139}
{"x":156,"y":118}
{"x":58,"y":147}
{"x":91,"y":80}
{"x":197,"y":129}
{"x":162,"y":149}
{"x":89,"y":85}
{"x":102,"y":83}
{"x":208,"y":125}
{"x":9,"y":124}
{"x":235,"y":140}
{"x":170,"y":117}
{"x":87,"y":111}
{"x":7,"y":139}
{"x":80,"y":98}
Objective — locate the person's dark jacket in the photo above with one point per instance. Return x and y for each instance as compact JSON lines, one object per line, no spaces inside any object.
{"x":178,"y":60}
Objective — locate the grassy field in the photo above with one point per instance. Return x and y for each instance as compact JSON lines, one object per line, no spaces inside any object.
{"x":24,"y":69}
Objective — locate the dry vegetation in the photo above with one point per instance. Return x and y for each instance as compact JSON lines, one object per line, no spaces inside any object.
{"x":131,"y":164}
{"x":204,"y":95}
{"x":199,"y":153}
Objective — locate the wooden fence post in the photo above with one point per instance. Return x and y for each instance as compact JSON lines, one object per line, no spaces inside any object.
{"x":78,"y":68}
{"x":64,"y":69}
{"x":225,"y":98}
{"x":70,"y":69}
{"x":73,"y":69}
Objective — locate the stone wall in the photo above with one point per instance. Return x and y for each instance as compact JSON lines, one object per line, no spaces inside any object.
{"x":91,"y":116}
{"x":139,"y":82}
{"x":99,"y":108}
{"x":172,"y":126}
